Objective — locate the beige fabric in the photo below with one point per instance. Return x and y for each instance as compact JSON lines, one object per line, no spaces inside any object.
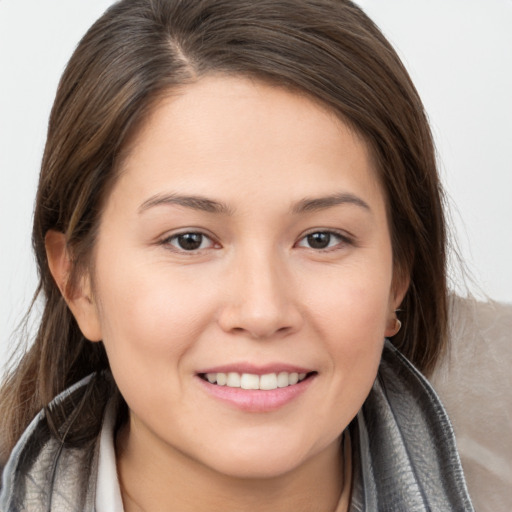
{"x":474,"y":381}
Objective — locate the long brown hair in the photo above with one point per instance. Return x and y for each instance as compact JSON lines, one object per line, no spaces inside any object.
{"x":140,"y":50}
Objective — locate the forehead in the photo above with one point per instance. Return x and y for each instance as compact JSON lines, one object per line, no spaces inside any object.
{"x":239,"y":132}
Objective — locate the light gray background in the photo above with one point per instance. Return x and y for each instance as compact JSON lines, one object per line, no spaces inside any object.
{"x":459,"y":53}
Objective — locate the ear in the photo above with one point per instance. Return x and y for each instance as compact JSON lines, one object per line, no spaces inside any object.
{"x":398,"y":290}
{"x":79,"y":298}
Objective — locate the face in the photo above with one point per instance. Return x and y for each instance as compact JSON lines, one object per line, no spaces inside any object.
{"x":245,"y":243}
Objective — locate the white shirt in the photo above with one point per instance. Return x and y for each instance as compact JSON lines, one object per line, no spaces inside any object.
{"x":108,"y":491}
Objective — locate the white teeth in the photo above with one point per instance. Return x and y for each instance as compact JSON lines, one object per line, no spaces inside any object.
{"x":282,"y":380}
{"x":250,"y":381}
{"x":233,"y":380}
{"x":266,"y":382}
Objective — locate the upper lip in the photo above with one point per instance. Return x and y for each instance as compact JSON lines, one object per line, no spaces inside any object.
{"x":256,"y":369}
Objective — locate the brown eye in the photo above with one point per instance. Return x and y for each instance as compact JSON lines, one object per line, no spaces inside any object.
{"x":190,"y":241}
{"x":321,"y":240}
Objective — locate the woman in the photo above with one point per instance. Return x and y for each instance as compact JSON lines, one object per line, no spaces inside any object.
{"x":237,"y":202}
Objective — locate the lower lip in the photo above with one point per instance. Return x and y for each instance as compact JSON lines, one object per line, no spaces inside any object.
{"x":257,"y":400}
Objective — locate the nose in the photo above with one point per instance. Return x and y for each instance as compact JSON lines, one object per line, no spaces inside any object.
{"x":261,"y":302}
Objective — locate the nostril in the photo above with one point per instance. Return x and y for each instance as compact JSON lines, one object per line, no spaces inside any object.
{"x":260,"y":320}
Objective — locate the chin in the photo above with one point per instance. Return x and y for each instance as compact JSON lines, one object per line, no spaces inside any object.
{"x":259,"y":459}
{"x":258,"y":467}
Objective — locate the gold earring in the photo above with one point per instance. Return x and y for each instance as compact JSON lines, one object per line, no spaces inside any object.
{"x":396,"y":327}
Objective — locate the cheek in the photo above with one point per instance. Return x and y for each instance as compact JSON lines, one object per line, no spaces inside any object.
{"x":149,"y":316}
{"x":151,"y":323}
{"x":349,"y":310}
{"x":353,"y":300}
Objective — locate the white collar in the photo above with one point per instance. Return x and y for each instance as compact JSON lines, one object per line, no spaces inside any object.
{"x":108,"y":491}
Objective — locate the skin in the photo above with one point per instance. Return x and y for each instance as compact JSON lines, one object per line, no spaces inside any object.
{"x":255,"y":291}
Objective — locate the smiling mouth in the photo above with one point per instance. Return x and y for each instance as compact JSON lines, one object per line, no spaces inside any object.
{"x":266,"y":382}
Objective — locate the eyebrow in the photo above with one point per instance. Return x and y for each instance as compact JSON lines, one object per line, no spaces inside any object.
{"x":211,"y":206}
{"x":322,"y":203}
{"x":194,"y":202}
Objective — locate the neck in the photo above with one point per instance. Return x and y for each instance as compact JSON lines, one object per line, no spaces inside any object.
{"x":156,"y":480}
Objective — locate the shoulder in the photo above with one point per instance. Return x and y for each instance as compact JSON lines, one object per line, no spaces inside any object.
{"x":474,"y":381}
{"x":406,"y":457}
{"x":53,"y":461}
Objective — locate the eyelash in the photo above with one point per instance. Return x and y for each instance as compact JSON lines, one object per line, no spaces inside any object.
{"x":343,"y":240}
{"x":168,"y":241}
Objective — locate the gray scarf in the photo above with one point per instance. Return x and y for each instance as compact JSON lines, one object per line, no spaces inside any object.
{"x":404,"y":455}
